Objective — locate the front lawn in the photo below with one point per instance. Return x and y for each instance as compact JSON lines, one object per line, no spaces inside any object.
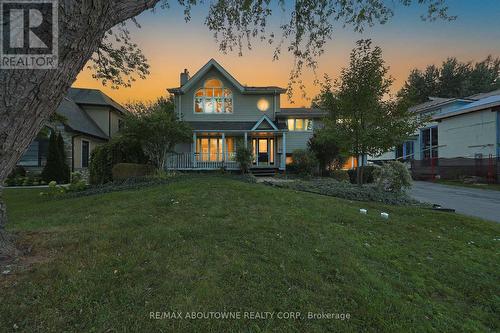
{"x":103,"y":263}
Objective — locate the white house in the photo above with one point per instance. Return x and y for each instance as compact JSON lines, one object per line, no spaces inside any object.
{"x":462,"y":138}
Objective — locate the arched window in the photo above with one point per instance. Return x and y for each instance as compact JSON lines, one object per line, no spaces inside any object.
{"x":213,"y":98}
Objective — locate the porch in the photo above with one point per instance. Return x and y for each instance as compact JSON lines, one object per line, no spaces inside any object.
{"x":216,"y":150}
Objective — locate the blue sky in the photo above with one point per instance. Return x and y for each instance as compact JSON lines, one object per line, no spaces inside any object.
{"x":407,"y":42}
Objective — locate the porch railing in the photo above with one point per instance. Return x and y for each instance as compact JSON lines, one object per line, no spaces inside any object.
{"x":201,"y":161}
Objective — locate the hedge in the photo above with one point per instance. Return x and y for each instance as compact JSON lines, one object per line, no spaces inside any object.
{"x":122,"y":171}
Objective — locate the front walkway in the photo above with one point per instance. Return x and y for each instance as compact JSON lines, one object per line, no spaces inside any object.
{"x":469,"y":201}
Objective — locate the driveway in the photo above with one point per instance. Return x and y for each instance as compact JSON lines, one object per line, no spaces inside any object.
{"x":468,"y":201}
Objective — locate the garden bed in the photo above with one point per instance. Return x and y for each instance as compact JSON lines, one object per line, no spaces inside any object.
{"x":345,"y":190}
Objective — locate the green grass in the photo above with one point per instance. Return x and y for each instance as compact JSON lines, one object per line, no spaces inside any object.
{"x":495,"y":187}
{"x":217,"y":244}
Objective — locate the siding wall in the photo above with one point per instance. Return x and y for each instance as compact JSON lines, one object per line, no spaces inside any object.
{"x":467,"y":135}
{"x":77,"y":149}
{"x":244,"y":106}
{"x":100,"y":115}
{"x":297,"y":140}
{"x":115,"y":117}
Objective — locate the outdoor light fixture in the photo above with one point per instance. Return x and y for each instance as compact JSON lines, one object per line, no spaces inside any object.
{"x":263,"y":105}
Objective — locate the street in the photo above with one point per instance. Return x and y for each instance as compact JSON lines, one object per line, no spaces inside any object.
{"x":469,"y":201}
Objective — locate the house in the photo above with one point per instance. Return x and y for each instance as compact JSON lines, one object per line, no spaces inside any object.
{"x":88,"y":118}
{"x":225,"y":113}
{"x":461,"y":137}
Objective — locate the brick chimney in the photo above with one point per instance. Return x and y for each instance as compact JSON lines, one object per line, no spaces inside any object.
{"x":184,"y":77}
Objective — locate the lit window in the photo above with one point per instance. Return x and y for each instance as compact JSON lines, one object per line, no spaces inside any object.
{"x":300,"y":124}
{"x":211,"y":149}
{"x":213,"y":98}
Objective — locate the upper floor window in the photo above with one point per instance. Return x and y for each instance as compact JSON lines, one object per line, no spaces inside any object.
{"x":213,"y":98}
{"x":300,"y":124}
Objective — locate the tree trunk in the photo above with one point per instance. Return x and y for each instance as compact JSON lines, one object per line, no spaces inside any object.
{"x":29,"y":97}
{"x":7,"y":249}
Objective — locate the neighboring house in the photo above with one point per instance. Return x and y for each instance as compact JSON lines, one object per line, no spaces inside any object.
{"x":90,"y":119}
{"x":224,"y":114}
{"x":462,"y":132}
{"x":471,"y":131}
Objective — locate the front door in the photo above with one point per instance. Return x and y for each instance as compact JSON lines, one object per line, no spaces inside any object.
{"x":263,"y":151}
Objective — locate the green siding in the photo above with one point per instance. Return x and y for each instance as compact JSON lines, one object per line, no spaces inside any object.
{"x":245,"y":106}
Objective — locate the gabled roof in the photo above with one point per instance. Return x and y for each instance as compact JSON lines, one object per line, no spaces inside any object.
{"x":214,"y":64}
{"x":484,"y":95}
{"x":262,"y":121}
{"x":434,"y":103}
{"x":482,"y":104}
{"x":94,"y":97}
{"x":78,"y":120}
{"x":301,"y":112}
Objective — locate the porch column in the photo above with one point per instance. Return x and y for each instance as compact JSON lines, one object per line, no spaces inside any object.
{"x":224,"y":157}
{"x":193,"y":150}
{"x":283,"y":152}
{"x":246,"y":140}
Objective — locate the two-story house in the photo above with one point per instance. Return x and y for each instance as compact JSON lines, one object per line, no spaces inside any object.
{"x":224,"y":114}
{"x":88,"y":118}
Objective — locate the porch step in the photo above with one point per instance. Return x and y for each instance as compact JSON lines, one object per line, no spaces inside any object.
{"x":263,"y":172}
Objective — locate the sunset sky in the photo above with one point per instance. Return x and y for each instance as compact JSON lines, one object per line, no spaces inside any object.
{"x":407,"y":42}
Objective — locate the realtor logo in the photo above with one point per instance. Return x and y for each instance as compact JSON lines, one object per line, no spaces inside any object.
{"x":28,"y":34}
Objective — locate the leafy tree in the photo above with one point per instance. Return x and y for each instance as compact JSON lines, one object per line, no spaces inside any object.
{"x":120,"y":149}
{"x":157,"y":128}
{"x":243,"y":157}
{"x":327,"y":151}
{"x":361,"y":119}
{"x":304,"y":162}
{"x":453,"y":79}
{"x":95,"y":30}
{"x":56,"y":167}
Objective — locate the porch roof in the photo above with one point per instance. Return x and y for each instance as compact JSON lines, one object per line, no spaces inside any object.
{"x":229,"y":126}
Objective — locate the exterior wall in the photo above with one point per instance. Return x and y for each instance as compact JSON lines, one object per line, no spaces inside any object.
{"x":297,"y":140}
{"x":77,"y":149}
{"x":244,"y":106}
{"x":100,"y":115}
{"x":115,"y":118}
{"x":183,"y":148}
{"x":467,"y":135}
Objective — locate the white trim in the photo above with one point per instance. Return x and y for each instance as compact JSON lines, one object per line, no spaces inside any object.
{"x":180,"y":106}
{"x":213,"y":98}
{"x":283,"y":154}
{"x":200,"y":73}
{"x":264,"y":117}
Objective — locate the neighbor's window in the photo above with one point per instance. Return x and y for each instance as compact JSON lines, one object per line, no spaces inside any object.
{"x":213,"y":98}
{"x":300,"y":124}
{"x":85,"y":153}
{"x":31,"y":155}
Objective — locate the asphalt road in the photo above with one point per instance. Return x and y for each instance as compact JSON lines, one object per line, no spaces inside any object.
{"x":468,"y":201}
